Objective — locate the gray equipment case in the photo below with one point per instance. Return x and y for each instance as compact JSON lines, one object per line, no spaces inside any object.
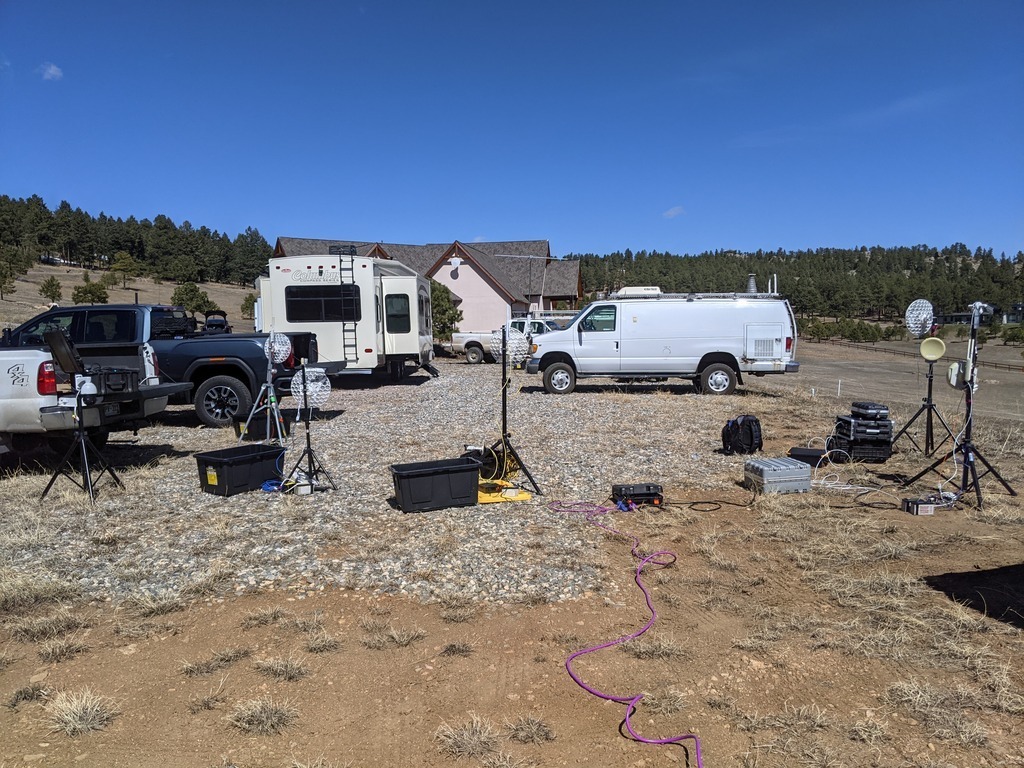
{"x":777,"y":475}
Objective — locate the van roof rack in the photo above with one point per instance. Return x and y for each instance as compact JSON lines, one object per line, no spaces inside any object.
{"x":693,"y":296}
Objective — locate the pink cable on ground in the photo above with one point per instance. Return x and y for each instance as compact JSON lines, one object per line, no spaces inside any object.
{"x":662,"y":559}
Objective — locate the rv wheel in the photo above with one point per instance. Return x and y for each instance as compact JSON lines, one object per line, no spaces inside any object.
{"x":474,"y":355}
{"x":559,"y":379}
{"x":718,"y":379}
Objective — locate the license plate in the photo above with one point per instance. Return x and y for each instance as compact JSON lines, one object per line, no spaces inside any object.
{"x":111,"y":409}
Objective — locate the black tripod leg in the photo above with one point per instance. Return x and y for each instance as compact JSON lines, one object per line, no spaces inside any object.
{"x":949,"y":432}
{"x":526,"y":470}
{"x":907,"y":426}
{"x":990,"y":470}
{"x":930,"y":468}
{"x":64,"y":462}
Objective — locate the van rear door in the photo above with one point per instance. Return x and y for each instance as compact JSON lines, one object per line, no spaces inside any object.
{"x":763,"y":341}
{"x":596,"y":340}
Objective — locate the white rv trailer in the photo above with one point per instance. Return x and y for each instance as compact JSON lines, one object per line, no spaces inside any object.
{"x":368,"y":314}
{"x":641,"y":333}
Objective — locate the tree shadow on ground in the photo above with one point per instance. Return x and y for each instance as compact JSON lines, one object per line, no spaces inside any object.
{"x":996,"y":592}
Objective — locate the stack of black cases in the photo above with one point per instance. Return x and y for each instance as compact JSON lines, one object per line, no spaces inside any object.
{"x":864,"y":435}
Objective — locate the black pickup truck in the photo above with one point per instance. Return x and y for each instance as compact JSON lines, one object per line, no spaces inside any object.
{"x":225,"y":369}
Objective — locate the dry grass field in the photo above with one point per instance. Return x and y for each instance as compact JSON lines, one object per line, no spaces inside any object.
{"x":826,"y":629}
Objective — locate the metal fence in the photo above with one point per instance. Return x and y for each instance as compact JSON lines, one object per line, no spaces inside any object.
{"x":901,"y":353}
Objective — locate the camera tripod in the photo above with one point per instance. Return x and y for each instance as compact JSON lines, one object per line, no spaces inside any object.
{"x":85,"y":448}
{"x":314,"y":469}
{"x":927,"y":407}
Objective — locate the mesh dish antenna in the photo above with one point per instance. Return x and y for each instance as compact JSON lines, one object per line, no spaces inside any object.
{"x":919,"y":317}
{"x":277,"y":347}
{"x":517,"y":345}
{"x":311,"y":388}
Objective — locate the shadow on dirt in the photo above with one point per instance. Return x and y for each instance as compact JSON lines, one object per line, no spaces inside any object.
{"x":996,"y":592}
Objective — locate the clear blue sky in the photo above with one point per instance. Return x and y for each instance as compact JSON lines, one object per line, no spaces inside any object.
{"x":600,"y":126}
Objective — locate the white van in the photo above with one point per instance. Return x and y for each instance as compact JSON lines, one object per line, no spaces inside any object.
{"x":641,"y":333}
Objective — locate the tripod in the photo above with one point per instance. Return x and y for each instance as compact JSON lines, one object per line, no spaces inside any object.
{"x":266,"y":401}
{"x":84,"y":446}
{"x":314,"y":467}
{"x":927,"y":406}
{"x":506,"y":442}
{"x":969,"y":479}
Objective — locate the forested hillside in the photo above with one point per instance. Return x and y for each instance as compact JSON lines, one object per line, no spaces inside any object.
{"x":29,"y":231}
{"x":878,"y":282}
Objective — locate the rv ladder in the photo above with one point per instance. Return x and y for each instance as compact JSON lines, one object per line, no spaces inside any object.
{"x":349,"y":342}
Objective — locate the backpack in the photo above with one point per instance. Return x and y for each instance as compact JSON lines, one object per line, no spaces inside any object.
{"x":741,"y":435}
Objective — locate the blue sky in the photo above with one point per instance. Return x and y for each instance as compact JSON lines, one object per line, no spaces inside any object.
{"x":599,"y":126}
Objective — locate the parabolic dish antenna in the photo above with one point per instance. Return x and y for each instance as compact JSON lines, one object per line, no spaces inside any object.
{"x":933,"y":348}
{"x":311,"y":388}
{"x":277,"y":347}
{"x":517,"y":345}
{"x":919,"y":317}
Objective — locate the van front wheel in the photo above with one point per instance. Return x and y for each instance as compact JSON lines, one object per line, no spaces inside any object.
{"x":559,"y":379}
{"x":718,"y":379}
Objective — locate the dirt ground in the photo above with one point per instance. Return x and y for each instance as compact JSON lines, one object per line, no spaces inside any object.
{"x":823,"y":629}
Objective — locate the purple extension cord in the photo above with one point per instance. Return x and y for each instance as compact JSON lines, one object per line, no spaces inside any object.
{"x":663,"y":559}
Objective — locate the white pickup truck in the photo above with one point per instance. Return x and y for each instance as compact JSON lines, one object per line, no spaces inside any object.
{"x":476,"y":345}
{"x":37,"y":400}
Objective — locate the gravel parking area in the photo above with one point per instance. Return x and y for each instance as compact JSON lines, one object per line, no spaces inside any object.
{"x":162,"y":535}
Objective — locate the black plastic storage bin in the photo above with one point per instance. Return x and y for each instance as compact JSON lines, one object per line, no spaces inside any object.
{"x":239,"y":469}
{"x":427,"y":485}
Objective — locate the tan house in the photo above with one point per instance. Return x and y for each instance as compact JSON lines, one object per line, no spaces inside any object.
{"x":487,"y":280}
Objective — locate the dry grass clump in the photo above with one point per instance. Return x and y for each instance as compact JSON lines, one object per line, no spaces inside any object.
{"x":263,"y":617}
{"x":313,"y":623}
{"x":476,"y":738}
{"x":941,"y":712}
{"x":147,"y":605}
{"x":654,"y":648}
{"x":79,"y":712}
{"x":456,"y":609}
{"x":288,"y":670}
{"x":208,"y":702}
{"x":457,"y":649}
{"x":381,"y":635}
{"x":19,"y":593}
{"x":137,"y":630}
{"x":666,"y":703}
{"x":31,"y":629}
{"x":6,"y":660}
{"x":32,"y":692}
{"x":505,"y":760}
{"x":219,"y":660}
{"x":209,"y":584}
{"x":321,"y":642}
{"x":528,"y":729}
{"x":870,"y":732}
{"x":263,"y":716}
{"x":61,"y":649}
{"x":320,"y":762}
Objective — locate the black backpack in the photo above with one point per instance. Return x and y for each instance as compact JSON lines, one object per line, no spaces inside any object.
{"x":741,"y":435}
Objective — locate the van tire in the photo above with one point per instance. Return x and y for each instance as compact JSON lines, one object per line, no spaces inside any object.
{"x":559,"y":379}
{"x":220,"y":400}
{"x":718,"y":379}
{"x":474,"y":355}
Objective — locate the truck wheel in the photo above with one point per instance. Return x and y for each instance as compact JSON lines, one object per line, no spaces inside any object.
{"x":559,"y":379}
{"x":718,"y":379}
{"x":221,"y":400}
{"x":474,"y":355}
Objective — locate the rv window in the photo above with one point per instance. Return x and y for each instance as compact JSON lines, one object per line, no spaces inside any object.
{"x":601,"y":319}
{"x":322,"y":303}
{"x":396,"y":313}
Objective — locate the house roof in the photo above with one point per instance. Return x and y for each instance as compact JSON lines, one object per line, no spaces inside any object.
{"x":507,"y":263}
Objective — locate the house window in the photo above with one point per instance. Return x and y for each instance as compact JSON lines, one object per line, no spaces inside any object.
{"x":396,"y":313}
{"x":322,"y":303}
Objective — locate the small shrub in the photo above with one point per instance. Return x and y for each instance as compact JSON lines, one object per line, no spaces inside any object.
{"x":656,"y":648}
{"x":288,"y":670}
{"x":61,"y":649}
{"x":76,"y":713}
{"x":263,"y":617}
{"x":263,"y":716}
{"x":33,"y":692}
{"x":147,"y":606}
{"x":529,"y":730}
{"x":457,"y":649}
{"x":476,"y":738}
{"x":321,"y":642}
{"x":60,"y":622}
